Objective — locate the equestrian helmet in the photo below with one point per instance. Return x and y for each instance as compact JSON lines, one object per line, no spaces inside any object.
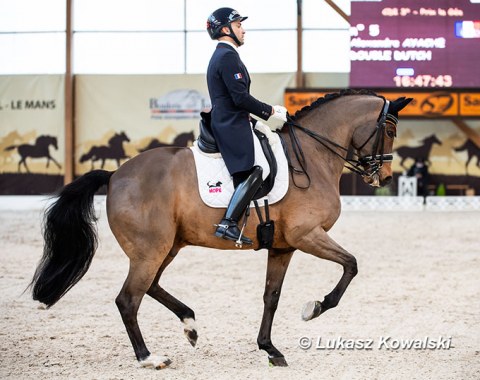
{"x":220,"y":18}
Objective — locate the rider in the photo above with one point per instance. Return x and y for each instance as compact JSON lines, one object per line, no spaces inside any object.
{"x":229,"y":88}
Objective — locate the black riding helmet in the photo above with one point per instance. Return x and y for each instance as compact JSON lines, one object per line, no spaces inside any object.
{"x":220,"y":18}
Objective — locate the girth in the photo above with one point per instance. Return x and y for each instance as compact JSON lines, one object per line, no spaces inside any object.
{"x":206,"y":143}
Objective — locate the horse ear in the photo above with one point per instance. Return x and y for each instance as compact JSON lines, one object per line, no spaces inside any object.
{"x":397,"y":105}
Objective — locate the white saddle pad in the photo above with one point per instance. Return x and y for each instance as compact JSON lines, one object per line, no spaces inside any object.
{"x":215,"y":183}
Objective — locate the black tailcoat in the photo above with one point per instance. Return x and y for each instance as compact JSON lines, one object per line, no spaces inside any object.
{"x":229,"y":88}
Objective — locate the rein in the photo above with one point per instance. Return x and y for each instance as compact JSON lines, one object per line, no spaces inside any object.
{"x":374,"y":161}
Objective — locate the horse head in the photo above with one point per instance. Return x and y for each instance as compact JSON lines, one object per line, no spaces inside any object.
{"x":184,"y":139}
{"x":118,"y":139}
{"x":375,"y":153}
{"x":430,"y":140}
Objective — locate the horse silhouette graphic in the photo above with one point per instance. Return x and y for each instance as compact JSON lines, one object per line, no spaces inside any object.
{"x":39,"y":149}
{"x":182,"y":140}
{"x":216,"y":184}
{"x":421,"y":152}
{"x":113,"y":151}
{"x":472,"y":151}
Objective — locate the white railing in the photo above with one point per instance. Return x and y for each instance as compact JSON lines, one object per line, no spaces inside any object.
{"x":349,"y":203}
{"x":383,"y":203}
{"x":394,"y":203}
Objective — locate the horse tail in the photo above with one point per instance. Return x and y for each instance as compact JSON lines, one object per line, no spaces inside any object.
{"x":70,"y":238}
{"x":11,"y":147}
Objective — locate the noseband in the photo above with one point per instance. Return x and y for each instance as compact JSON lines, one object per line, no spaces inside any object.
{"x":366,"y":166}
{"x":374,"y":161}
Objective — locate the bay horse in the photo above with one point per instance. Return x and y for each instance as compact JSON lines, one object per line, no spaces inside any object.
{"x":113,"y":151}
{"x":154,"y":210}
{"x":39,"y":149}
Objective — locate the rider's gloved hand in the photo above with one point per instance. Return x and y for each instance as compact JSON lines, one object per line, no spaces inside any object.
{"x":279,"y":112}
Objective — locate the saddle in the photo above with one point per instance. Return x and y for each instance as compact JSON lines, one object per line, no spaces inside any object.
{"x":206,"y":143}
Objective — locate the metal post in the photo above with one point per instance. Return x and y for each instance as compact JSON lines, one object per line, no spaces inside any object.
{"x":299,"y":79}
{"x":68,"y":99}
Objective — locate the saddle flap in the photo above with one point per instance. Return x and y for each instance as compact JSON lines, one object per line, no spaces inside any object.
{"x":269,"y":182}
{"x":215,"y":183}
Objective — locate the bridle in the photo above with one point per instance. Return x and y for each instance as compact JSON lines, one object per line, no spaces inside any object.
{"x":365,"y":166}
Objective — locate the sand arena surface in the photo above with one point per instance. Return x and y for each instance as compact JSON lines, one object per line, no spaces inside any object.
{"x":418,"y":278}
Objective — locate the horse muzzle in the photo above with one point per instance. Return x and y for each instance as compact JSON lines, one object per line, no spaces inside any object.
{"x":378,"y":171}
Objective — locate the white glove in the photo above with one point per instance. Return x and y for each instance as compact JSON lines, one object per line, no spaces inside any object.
{"x":280,"y":113}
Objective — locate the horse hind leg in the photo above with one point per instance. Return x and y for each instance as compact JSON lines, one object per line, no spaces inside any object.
{"x":182,"y":311}
{"x":24,"y":162}
{"x":139,"y":280}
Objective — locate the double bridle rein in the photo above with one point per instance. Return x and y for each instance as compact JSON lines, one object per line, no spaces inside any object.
{"x":365,"y":166}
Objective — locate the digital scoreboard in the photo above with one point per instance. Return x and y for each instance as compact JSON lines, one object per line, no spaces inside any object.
{"x":415,"y":44}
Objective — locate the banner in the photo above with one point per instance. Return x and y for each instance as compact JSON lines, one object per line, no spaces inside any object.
{"x":425,"y":104}
{"x":117,"y":117}
{"x":31,"y":133}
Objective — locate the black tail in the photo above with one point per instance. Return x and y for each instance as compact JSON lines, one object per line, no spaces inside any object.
{"x":70,"y":238}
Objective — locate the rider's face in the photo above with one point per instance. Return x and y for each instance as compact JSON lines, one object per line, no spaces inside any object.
{"x":238,"y":31}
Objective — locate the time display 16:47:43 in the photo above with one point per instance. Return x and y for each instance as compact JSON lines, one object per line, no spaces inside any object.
{"x":423,"y":81}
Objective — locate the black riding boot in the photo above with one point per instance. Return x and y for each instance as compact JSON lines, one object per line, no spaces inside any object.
{"x":228,"y":226}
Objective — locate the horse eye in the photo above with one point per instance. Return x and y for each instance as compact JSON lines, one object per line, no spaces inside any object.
{"x":391,"y":133}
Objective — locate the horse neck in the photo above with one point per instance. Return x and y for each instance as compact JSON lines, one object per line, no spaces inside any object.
{"x":43,"y":142}
{"x":316,"y":164}
{"x":116,"y":143}
{"x":428,"y":146}
{"x":337,"y":121}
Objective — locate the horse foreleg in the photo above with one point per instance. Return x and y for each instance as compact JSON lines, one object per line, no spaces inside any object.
{"x":182,"y":311}
{"x":319,"y":244}
{"x":139,"y":280}
{"x":276,"y":268}
{"x":24,"y":164}
{"x":466,"y":164}
{"x":55,"y":162}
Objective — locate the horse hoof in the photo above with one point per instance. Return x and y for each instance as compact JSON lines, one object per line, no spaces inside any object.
{"x":190,"y":331}
{"x":311,"y":310}
{"x":277,"y":361}
{"x":156,"y":362}
{"x":192,"y":336}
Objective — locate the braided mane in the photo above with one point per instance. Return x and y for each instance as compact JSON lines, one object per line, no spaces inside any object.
{"x":320,"y":101}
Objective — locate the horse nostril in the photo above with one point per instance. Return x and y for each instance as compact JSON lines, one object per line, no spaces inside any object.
{"x":387,"y":180}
